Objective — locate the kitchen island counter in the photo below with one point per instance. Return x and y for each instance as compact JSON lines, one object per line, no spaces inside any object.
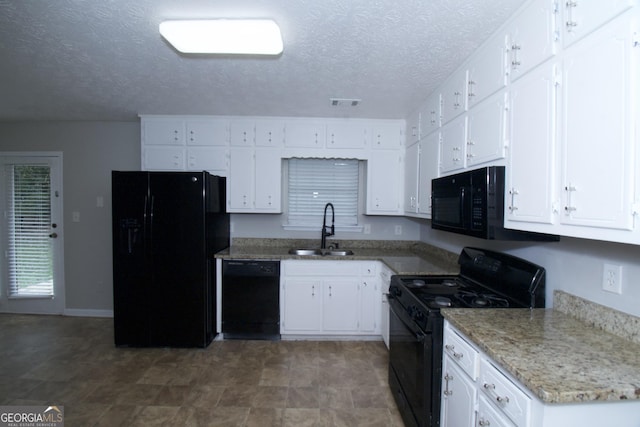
{"x":409,"y":258}
{"x":558,"y":357}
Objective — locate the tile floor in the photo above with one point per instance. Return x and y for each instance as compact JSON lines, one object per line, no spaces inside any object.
{"x":71,"y":361}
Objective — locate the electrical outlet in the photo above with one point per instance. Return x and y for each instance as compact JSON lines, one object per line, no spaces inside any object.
{"x":398,"y":230}
{"x":612,"y":278}
{"x":367,"y":229}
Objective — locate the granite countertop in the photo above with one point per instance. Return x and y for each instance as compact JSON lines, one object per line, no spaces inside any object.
{"x":409,"y":258}
{"x":555,"y":355}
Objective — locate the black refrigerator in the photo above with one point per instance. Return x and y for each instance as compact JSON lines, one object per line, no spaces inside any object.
{"x":167,"y":226}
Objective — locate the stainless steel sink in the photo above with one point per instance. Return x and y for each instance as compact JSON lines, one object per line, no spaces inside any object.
{"x":320,"y":252}
{"x":338,"y":252}
{"x":307,"y":252}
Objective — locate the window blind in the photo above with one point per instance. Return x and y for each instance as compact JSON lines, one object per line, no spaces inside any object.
{"x":315,"y":182}
{"x":28,"y":219}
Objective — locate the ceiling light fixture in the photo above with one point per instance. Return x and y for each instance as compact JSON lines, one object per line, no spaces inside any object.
{"x":224,"y":36}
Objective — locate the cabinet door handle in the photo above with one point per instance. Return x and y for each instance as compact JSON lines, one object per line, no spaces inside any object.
{"x":451,"y":348}
{"x":447,"y":378}
{"x":570,"y":24}
{"x":513,"y":192}
{"x":515,"y":62}
{"x":569,"y":208}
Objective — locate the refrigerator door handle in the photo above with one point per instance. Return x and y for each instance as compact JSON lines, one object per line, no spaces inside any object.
{"x":151,"y":214}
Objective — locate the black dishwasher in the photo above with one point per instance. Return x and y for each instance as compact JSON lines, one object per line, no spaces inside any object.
{"x":251,"y":299}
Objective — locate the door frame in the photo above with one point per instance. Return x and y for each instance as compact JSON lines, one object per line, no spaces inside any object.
{"x":41,"y":305}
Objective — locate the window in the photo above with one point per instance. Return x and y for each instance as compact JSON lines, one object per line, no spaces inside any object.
{"x":28,"y":191}
{"x":312,"y":183}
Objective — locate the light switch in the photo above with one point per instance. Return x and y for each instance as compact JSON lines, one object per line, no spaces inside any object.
{"x":100,"y":202}
{"x":75,"y":216}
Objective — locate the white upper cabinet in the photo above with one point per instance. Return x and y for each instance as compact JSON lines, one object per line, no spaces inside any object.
{"x":430,"y":115}
{"x":487,"y":70}
{"x":486,"y":133}
{"x":386,"y":135}
{"x":268,"y":172}
{"x":385,"y":182}
{"x":531,"y":37}
{"x":454,"y":96}
{"x":212,"y":159}
{"x":207,"y":131}
{"x":599,"y":104}
{"x":242,"y":133}
{"x":347,"y":135}
{"x":163,"y":158}
{"x":453,"y":145}
{"x":580,"y":17}
{"x":163,"y":131}
{"x":184,"y":143}
{"x":254,"y":183}
{"x":411,"y":168}
{"x":309,"y":134}
{"x":412,"y":128}
{"x":531,"y":162}
{"x":428,"y":170}
{"x":241,"y":182}
{"x":269,"y":133}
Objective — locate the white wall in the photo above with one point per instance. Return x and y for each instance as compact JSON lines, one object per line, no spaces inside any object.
{"x":573,"y":265}
{"x":90,"y":151}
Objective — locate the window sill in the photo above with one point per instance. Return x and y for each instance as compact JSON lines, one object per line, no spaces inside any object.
{"x":339,"y":228}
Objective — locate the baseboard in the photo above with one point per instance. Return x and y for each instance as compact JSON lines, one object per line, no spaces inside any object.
{"x":80,"y":312}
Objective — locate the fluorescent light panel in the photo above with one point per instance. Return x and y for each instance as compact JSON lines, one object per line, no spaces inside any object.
{"x":224,"y":36}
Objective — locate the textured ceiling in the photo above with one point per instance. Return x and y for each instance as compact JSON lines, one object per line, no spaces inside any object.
{"x":105,"y":60}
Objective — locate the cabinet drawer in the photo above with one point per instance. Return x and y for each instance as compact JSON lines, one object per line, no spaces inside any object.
{"x":461,"y":352}
{"x":506,"y":395}
{"x":488,"y":415}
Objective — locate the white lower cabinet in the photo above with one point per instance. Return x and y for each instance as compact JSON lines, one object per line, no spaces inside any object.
{"x":301,"y":305}
{"x":329,"y":298}
{"x":385,"y":281}
{"x":496,"y":398}
{"x":338,"y":313}
{"x":459,"y":394}
{"x":489,"y":416}
{"x":507,"y":397}
{"x":475,"y":392}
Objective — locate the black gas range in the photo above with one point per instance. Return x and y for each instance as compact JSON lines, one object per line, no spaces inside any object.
{"x":487,"y":279}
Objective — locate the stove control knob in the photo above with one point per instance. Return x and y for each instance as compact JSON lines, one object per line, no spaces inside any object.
{"x":418,"y":315}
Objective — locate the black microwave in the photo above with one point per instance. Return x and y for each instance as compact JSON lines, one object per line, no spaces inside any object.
{"x":472,"y":203}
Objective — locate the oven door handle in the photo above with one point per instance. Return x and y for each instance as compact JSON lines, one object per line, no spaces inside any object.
{"x":407,"y":322}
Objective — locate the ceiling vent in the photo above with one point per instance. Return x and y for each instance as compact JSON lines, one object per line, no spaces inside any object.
{"x":345,"y":102}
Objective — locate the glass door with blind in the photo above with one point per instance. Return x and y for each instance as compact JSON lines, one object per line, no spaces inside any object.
{"x":31,"y":231}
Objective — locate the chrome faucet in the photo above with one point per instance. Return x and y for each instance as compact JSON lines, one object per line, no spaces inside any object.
{"x":325,"y":233}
